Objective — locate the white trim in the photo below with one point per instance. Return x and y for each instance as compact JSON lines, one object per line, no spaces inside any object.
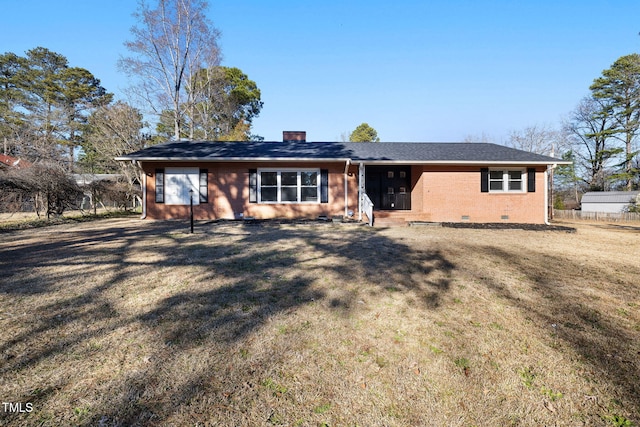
{"x":235,"y":159}
{"x":278,"y":186}
{"x":341,"y":160}
{"x":144,"y":190}
{"x":505,"y":180}
{"x":546,"y":196}
{"x":462,"y":162}
{"x":361,"y":188}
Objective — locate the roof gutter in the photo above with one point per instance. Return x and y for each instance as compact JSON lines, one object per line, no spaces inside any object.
{"x":461,"y":162}
{"x":549,"y":179}
{"x":349,"y":160}
{"x":232,"y":159}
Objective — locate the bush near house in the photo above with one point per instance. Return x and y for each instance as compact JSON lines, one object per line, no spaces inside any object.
{"x":47,"y":187}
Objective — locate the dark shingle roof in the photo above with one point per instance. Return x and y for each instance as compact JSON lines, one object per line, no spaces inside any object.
{"x":445,"y":152}
{"x":377,"y":152}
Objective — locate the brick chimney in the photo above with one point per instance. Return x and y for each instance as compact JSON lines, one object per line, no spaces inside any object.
{"x":294,"y":136}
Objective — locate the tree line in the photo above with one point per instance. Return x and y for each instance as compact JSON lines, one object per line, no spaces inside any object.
{"x":60,"y":118}
{"x":600,"y":136}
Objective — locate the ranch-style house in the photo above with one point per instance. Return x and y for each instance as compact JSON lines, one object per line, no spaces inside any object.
{"x":430,"y":182}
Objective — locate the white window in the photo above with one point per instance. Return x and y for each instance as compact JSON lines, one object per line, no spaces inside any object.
{"x":177,"y":184}
{"x":507,"y":180}
{"x":288,"y":185}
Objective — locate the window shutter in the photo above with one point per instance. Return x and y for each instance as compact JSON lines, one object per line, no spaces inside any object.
{"x":484,"y":180}
{"x":159,"y":185}
{"x":253,"y":185}
{"x":203,"y":186}
{"x":324,"y":186}
{"x":531,"y":180}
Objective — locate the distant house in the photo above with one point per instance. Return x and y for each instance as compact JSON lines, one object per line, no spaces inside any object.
{"x":608,"y":201}
{"x":438,"y":182}
{"x":86,"y":179}
{"x":103,"y":189}
{"x":7,"y":161}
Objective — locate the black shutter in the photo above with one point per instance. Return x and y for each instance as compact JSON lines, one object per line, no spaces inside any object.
{"x":531,"y":180}
{"x":484,"y":180}
{"x":203,"y":186}
{"x":159,"y":185}
{"x":324,"y":186}
{"x":253,"y":185}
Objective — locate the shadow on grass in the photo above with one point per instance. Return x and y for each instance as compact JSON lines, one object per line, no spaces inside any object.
{"x":620,"y":227}
{"x":241,"y":276}
{"x":569,"y":314}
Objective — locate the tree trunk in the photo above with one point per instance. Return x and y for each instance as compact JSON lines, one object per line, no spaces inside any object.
{"x":627,"y":165}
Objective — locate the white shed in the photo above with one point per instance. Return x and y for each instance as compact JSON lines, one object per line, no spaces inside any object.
{"x":608,"y":201}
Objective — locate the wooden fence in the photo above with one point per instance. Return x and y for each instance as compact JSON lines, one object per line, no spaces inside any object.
{"x":597,"y":216}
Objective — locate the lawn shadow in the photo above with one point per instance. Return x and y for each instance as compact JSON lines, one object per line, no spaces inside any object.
{"x":619,"y":227}
{"x":265,"y":273}
{"x":243,"y":275}
{"x":568,"y":315}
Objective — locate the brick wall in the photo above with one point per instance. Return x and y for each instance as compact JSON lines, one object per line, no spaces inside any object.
{"x":228,"y":188}
{"x":452,"y":194}
{"x":438,"y":193}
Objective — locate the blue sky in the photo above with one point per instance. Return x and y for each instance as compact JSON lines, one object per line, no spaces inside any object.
{"x":414,"y":70}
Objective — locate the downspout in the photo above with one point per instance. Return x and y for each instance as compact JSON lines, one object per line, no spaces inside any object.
{"x":360,"y":189}
{"x":550,"y":170}
{"x":546,"y":195}
{"x":144,"y":191}
{"x":346,"y":188}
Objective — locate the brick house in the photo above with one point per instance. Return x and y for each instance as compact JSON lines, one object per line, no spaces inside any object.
{"x":438,"y":182}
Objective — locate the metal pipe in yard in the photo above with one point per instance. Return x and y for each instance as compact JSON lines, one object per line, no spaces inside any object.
{"x":191,"y":208}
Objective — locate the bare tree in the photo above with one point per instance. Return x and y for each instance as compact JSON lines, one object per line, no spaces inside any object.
{"x":117,"y":130}
{"x":53,"y":195}
{"x":483,"y":137}
{"x":172,"y":42}
{"x":590,"y":129}
{"x":539,"y":139}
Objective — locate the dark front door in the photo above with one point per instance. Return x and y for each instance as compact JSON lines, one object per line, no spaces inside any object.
{"x":389,"y":187}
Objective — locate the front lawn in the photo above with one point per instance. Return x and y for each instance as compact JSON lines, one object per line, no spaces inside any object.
{"x":125,"y":322}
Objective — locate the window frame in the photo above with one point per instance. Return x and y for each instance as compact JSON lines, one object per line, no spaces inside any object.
{"x":279,"y":186}
{"x":506,"y":180}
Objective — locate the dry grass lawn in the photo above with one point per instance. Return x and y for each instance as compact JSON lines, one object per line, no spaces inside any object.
{"x":126,"y":322}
